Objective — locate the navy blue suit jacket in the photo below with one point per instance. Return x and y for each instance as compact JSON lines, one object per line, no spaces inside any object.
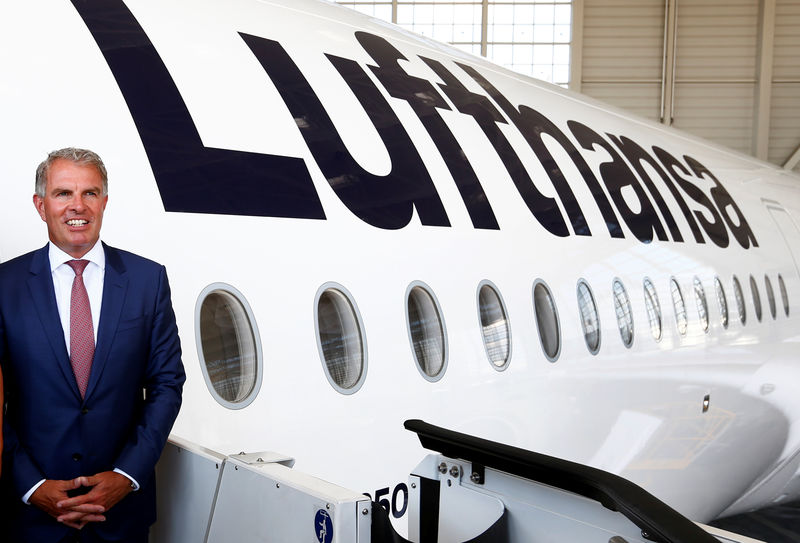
{"x":132,"y":399}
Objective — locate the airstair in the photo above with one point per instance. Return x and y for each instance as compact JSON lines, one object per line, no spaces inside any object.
{"x":469,"y":490}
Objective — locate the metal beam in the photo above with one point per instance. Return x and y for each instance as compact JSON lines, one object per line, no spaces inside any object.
{"x":576,"y":47}
{"x":763,"y":92}
{"x":484,"y":27}
{"x":668,"y":63}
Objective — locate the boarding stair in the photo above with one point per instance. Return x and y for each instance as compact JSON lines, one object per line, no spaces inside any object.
{"x":468,"y":490}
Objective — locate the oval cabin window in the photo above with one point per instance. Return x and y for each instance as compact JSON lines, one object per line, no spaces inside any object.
{"x":756,"y":297}
{"x":738,"y":295}
{"x":653,"y":308}
{"x":590,"y":320}
{"x":494,"y":325}
{"x":547,"y":320}
{"x":784,"y":295}
{"x":426,"y":331}
{"x":702,"y":304}
{"x":340,"y":338}
{"x":722,"y":302}
{"x":622,"y":308}
{"x":773,"y":310}
{"x":228,"y":344}
{"x":681,"y":321}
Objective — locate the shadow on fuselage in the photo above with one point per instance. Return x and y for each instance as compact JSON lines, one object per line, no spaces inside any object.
{"x":778,"y":524}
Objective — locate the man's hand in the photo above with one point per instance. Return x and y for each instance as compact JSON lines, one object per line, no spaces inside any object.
{"x":108,"y":488}
{"x":51,"y":495}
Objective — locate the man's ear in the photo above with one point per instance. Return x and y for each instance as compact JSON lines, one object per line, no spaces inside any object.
{"x":38,"y":203}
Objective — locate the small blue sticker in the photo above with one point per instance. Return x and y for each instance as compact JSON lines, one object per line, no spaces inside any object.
{"x":323,"y":526}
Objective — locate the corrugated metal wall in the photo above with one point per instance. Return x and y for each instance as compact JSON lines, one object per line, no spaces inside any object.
{"x":785,"y":116}
{"x":715,"y":70}
{"x":713,"y":90}
{"x":623,"y":42}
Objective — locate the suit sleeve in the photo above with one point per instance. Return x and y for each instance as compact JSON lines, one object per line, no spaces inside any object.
{"x":23,"y":472}
{"x":164,"y":378}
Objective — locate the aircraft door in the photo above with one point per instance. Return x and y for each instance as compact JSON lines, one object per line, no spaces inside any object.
{"x":788,"y":229}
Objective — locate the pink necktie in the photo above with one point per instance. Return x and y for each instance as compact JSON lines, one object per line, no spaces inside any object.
{"x":81,"y":329}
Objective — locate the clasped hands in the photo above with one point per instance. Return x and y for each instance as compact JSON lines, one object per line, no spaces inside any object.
{"x":106,"y":490}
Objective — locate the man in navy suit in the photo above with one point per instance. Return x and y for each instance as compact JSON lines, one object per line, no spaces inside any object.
{"x":83,"y":431}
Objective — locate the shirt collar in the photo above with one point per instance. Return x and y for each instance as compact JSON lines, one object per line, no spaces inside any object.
{"x":58,"y":257}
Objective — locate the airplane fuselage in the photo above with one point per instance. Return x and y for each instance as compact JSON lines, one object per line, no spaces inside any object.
{"x":284,"y":148}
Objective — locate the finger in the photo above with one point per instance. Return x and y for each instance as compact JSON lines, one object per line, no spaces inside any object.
{"x":72,"y":516}
{"x":81,"y":501}
{"x":85,"y":508}
{"x":72,"y":484}
{"x":79,"y":518}
{"x":70,"y":503}
{"x":76,"y":525}
{"x":84,"y":481}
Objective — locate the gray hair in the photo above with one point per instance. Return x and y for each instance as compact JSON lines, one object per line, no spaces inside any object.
{"x":82,"y":157}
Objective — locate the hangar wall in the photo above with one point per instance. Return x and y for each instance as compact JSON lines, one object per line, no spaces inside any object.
{"x":726,"y":70}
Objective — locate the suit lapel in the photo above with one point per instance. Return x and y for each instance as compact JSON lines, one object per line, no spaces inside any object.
{"x":115,"y":287}
{"x":40,"y":286}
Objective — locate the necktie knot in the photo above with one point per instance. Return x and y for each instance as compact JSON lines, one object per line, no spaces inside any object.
{"x":78,"y":266}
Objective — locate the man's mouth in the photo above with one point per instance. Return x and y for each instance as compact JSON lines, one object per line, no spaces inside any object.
{"x":77,"y":222}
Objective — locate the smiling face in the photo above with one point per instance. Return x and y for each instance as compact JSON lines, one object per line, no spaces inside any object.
{"x":72,"y":206}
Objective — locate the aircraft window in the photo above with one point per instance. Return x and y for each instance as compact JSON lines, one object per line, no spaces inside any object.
{"x":622,"y":307}
{"x":229,"y":345}
{"x":653,"y":308}
{"x":784,"y":295}
{"x":426,"y":331}
{"x":756,"y":297}
{"x":770,"y":297}
{"x":722,"y":302}
{"x":494,"y":325}
{"x":587,"y":309}
{"x":702,"y":305}
{"x":547,"y":320}
{"x":340,"y":338}
{"x":680,"y":308}
{"x":739,"y":295}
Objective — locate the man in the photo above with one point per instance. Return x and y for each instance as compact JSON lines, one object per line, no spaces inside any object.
{"x":92,"y":365}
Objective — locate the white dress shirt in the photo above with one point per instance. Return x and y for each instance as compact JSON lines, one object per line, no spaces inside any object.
{"x":93,"y":277}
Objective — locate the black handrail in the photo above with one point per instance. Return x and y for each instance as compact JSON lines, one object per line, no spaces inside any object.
{"x":657,"y":520}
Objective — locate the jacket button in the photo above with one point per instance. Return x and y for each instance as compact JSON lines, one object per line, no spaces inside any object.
{"x":77,"y":457}
{"x":84,"y":411}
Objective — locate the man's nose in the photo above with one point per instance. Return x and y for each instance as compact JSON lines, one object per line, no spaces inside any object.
{"x":77,"y":204}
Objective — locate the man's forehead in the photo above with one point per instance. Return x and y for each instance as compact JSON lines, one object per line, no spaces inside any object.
{"x":66,"y":172}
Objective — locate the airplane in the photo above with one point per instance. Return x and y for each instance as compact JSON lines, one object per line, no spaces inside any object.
{"x":363,"y":226}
